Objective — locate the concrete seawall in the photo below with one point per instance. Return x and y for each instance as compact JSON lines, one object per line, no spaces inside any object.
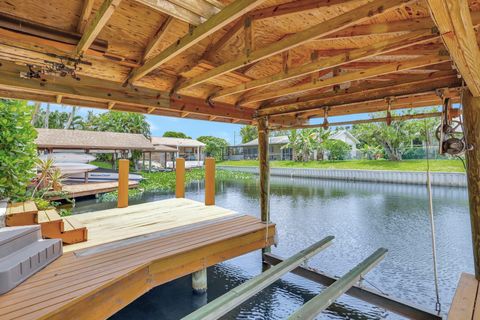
{"x":447,"y":179}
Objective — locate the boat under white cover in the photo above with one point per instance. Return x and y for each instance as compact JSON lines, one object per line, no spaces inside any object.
{"x":70,"y":168}
{"x":66,"y":157}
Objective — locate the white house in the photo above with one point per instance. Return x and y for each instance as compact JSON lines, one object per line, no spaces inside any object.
{"x":193,"y":151}
{"x":277,"y":151}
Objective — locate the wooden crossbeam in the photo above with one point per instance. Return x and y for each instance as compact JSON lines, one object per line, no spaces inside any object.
{"x":335,"y":24}
{"x":158,"y":38}
{"x":96,"y":24}
{"x":99,"y":92}
{"x":220,"y":306}
{"x":173,"y":10}
{"x":110,"y":105}
{"x":216,"y":22}
{"x":348,"y":77}
{"x":59,"y":99}
{"x":375,"y":49}
{"x":86,"y":11}
{"x":364,"y":93}
{"x":454,"y":21}
{"x":322,"y":301}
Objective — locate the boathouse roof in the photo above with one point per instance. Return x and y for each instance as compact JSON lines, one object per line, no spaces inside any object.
{"x":177,"y":142}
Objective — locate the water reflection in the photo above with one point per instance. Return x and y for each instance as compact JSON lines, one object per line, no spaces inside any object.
{"x":362,"y":216}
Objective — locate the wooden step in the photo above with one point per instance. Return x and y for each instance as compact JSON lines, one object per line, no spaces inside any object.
{"x":21,"y":214}
{"x":50,"y":222}
{"x":74,"y":231}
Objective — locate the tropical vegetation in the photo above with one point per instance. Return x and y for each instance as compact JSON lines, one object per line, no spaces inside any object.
{"x":18,"y":151}
{"x":214,"y":146}
{"x":176,"y":134}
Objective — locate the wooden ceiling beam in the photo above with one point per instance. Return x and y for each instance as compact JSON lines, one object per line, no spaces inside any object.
{"x":200,"y":7}
{"x":292,"y":7}
{"x":173,"y":10}
{"x":363,"y":93}
{"x":158,"y":38}
{"x":454,"y":21}
{"x":85,"y":15}
{"x":375,"y":49}
{"x":95,"y":25}
{"x":104,"y":91}
{"x":348,"y":77}
{"x":228,"y":14}
{"x":335,"y":24}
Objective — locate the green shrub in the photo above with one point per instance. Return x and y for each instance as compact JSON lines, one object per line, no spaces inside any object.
{"x":17,"y":149}
{"x":337,"y":149}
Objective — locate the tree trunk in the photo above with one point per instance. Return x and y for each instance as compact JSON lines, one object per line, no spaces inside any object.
{"x":35,"y":113}
{"x":47,"y":116}
{"x":70,"y":118}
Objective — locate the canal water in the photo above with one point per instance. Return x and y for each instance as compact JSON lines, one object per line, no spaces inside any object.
{"x":361,"y":216}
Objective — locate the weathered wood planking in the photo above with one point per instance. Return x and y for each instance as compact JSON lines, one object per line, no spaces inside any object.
{"x":88,"y":189}
{"x":99,"y":280}
{"x":464,"y":302}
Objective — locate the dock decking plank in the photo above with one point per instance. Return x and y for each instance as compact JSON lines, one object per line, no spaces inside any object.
{"x":92,"y":280}
{"x":463,"y":303}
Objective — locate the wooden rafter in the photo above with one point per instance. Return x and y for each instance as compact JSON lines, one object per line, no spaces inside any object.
{"x":364,"y":93}
{"x":348,"y":77}
{"x":200,"y":7}
{"x":158,"y":38}
{"x":454,"y":21}
{"x":335,"y":24}
{"x":173,"y":10}
{"x":216,"y":22}
{"x":269,"y":12}
{"x":86,"y":11}
{"x":335,"y":61}
{"x":96,"y":24}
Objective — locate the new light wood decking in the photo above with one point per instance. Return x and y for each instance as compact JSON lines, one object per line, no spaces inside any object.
{"x":466,"y":302}
{"x":130,"y":251}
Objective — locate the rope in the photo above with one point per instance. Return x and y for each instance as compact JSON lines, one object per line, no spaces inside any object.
{"x":438,"y":306}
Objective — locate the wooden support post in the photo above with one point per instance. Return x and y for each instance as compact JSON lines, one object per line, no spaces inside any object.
{"x":209,"y":181}
{"x":322,"y":301}
{"x":199,"y":281}
{"x":264,"y":172}
{"x":180,"y":178}
{"x":220,"y":306}
{"x":471,"y":116}
{"x":143,"y":161}
{"x":150,"y":161}
{"x":123,"y":168}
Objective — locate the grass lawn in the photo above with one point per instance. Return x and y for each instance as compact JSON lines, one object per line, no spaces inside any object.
{"x":405,"y":165}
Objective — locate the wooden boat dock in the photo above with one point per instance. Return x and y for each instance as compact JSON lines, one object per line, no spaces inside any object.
{"x":138,"y":247}
{"x":89,"y":189}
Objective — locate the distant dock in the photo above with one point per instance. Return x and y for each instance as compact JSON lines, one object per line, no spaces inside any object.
{"x":89,"y":189}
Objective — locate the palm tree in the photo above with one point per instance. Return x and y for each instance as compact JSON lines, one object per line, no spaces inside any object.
{"x":303,"y":143}
{"x":70,"y":118}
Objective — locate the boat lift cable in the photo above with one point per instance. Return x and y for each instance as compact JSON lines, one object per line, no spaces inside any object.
{"x":438,"y":306}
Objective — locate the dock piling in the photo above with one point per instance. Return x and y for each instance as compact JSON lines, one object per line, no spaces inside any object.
{"x":199,"y":281}
{"x":123,"y":168}
{"x":180,"y":178}
{"x":209,"y":181}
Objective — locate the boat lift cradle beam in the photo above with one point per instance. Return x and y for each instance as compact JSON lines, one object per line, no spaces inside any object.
{"x":236,"y":296}
{"x":323,"y":300}
{"x":392,"y":304}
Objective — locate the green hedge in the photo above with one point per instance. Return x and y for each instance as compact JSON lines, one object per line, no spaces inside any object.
{"x":17,"y":149}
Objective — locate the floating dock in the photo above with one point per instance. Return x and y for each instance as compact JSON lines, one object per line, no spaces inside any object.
{"x":130,"y":251}
{"x":89,"y":189}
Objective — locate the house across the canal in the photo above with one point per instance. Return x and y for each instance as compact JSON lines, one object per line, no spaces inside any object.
{"x":278,"y":149}
{"x":193,"y":151}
